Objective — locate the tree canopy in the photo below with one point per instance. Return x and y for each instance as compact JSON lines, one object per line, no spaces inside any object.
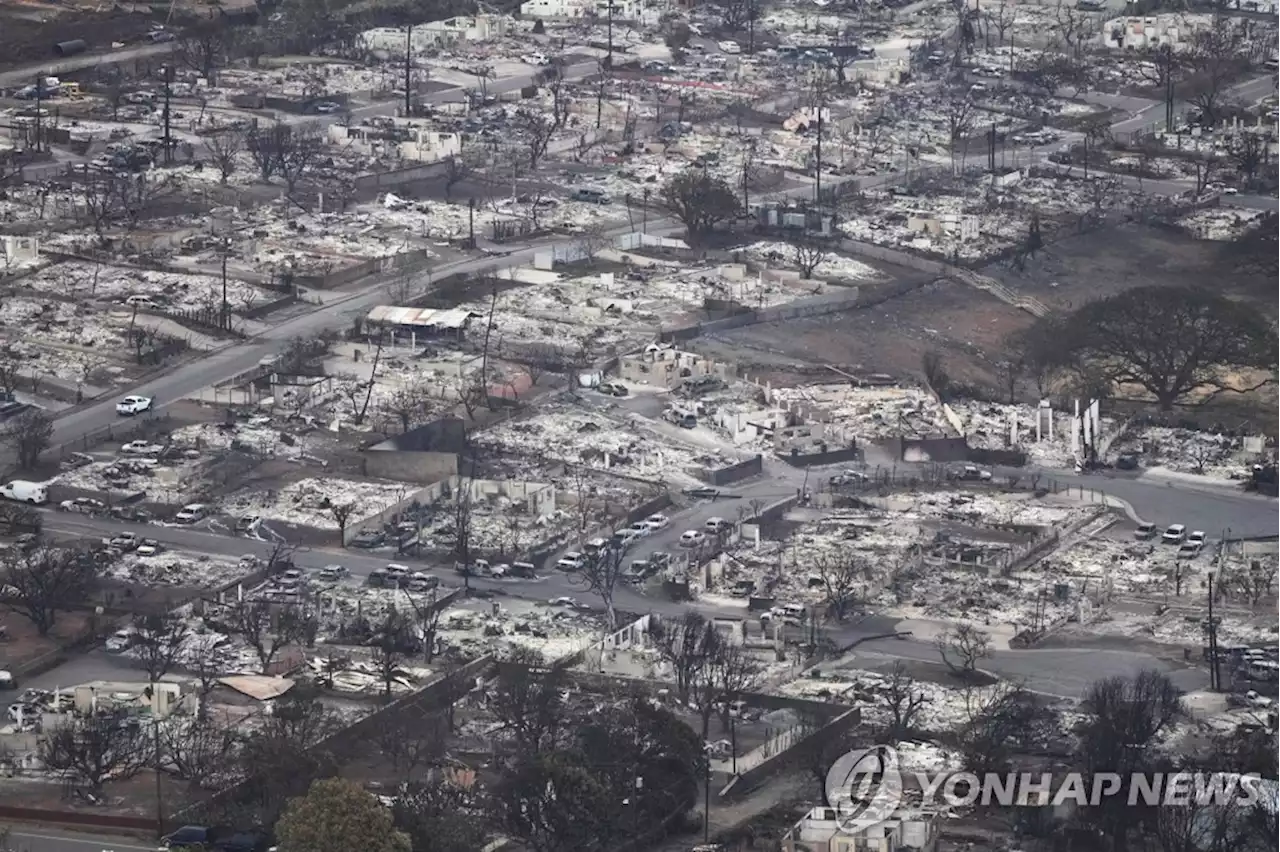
{"x":700,"y":201}
{"x":1170,"y":341}
{"x":336,"y":815}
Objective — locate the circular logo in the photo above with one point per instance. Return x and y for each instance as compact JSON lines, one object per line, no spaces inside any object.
{"x":865,"y":787}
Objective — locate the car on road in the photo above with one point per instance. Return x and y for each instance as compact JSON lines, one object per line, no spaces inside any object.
{"x":131,"y":405}
{"x":369,"y":539}
{"x":82,"y":505}
{"x":703,"y":492}
{"x":149,"y":547}
{"x":716,"y":526}
{"x":612,"y":389}
{"x":125,"y":541}
{"x":141,"y":448}
{"x":1193,"y":545}
{"x":640,"y":529}
{"x":692,"y":538}
{"x":571,"y":561}
{"x":120,"y":641}
{"x":244,"y":523}
{"x":657,"y":522}
{"x":1174,"y":534}
{"x":1145,"y":532}
{"x":328,"y":107}
{"x":332,"y":573}
{"x":191,"y":513}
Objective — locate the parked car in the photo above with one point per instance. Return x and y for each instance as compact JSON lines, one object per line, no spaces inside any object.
{"x":332,"y":573}
{"x":244,"y":523}
{"x":715,"y":526}
{"x":131,"y":405}
{"x":369,"y":539}
{"x":572,"y":561}
{"x":703,"y":492}
{"x":1145,"y":532}
{"x":1174,"y":534}
{"x":35,"y":493}
{"x":191,"y":513}
{"x":640,"y":529}
{"x":120,"y":641}
{"x":82,"y":505}
{"x":149,"y":547}
{"x":125,"y":541}
{"x":141,"y":448}
{"x":657,"y":522}
{"x":692,"y":538}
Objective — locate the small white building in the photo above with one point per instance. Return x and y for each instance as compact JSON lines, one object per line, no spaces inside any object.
{"x":623,"y":10}
{"x":820,"y":830}
{"x":422,"y":145}
{"x":437,"y":33}
{"x":1150,"y":31}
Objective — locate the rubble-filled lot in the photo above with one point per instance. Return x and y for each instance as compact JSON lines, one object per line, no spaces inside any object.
{"x":1000,"y":214}
{"x":566,"y":434}
{"x":177,"y":568}
{"x":871,"y":414}
{"x":554,"y":629}
{"x":1221,"y":224}
{"x":1208,"y":454}
{"x":82,"y":280}
{"x":989,"y":425}
{"x":309,"y":502}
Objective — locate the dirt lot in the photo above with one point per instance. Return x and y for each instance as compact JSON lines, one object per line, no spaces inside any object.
{"x":1073,"y":271}
{"x":964,"y":325}
{"x":31,"y":29}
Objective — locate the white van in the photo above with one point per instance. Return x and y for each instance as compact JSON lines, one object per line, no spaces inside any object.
{"x":730,"y":47}
{"x":36,"y":493}
{"x":590,"y":194}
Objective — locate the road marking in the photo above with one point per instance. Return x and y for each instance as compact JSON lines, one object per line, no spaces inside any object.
{"x":90,"y":841}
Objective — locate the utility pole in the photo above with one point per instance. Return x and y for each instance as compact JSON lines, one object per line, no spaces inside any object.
{"x":991,"y":150}
{"x":226,"y":247}
{"x":471,"y":222}
{"x":1215,"y":680}
{"x":644,"y":213}
{"x":608,"y":60}
{"x":39,"y":97}
{"x":817,"y":173}
{"x":168,"y":93}
{"x":408,"y":71}
{"x":706,"y":802}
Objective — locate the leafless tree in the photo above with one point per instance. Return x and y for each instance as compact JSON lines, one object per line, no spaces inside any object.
{"x":808,"y":253}
{"x":528,"y":700}
{"x":842,"y":576}
{"x":342,"y":514}
{"x":594,"y":238}
{"x":460,"y":512}
{"x":686,"y":643}
{"x":962,"y":648}
{"x":600,"y":574}
{"x":298,"y":152}
{"x":203,"y":48}
{"x":94,"y":749}
{"x":264,"y":629}
{"x":264,"y":145}
{"x":959,"y":111}
{"x":537,"y":130}
{"x":427,"y":614}
{"x":1003,"y":720}
{"x":1074,"y":28}
{"x":28,"y":435}
{"x":198,"y":750}
{"x":393,"y":642}
{"x":42,"y":583}
{"x":409,"y":405}
{"x":1215,"y":59}
{"x":224,"y":148}
{"x":1248,"y":153}
{"x":903,"y":701}
{"x":158,"y":640}
{"x":483,"y":74}
{"x":412,"y":743}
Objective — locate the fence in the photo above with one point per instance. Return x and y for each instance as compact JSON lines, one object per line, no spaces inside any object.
{"x":130,"y":428}
{"x":746,"y":469}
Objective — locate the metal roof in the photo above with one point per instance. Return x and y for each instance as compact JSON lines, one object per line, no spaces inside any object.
{"x":453,"y":318}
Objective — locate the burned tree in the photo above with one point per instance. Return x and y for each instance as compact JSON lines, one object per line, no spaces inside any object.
{"x":224,"y":148}
{"x":198,"y":750}
{"x":265,"y":629}
{"x":687,"y":644}
{"x":903,"y":701}
{"x":528,"y":700}
{"x":960,"y":113}
{"x":460,"y":526}
{"x":342,"y":514}
{"x":42,"y":583}
{"x":808,"y":253}
{"x":537,"y":130}
{"x":408,"y":405}
{"x":842,"y":577}
{"x":158,"y":640}
{"x":393,"y":642}
{"x":962,"y":648}
{"x":28,"y":435}
{"x":298,"y":152}
{"x":91,"y":750}
{"x":264,"y":145}
{"x":203,"y":48}
{"x":600,"y":575}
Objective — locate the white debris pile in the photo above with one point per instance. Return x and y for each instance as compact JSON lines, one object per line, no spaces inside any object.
{"x":927,"y":757}
{"x":979,"y":508}
{"x":969,"y":218}
{"x":989,"y":425}
{"x":79,"y":280}
{"x":365,"y":677}
{"x":310,"y":502}
{"x":177,"y":568}
{"x":363,"y":232}
{"x":1177,"y":628}
{"x":596,"y":441}
{"x":945,"y":709}
{"x":1223,"y":224}
{"x":690,"y":288}
{"x":556,"y":630}
{"x":168,"y":482}
{"x":254,"y":436}
{"x":68,"y":322}
{"x":833,"y":267}
{"x":1208,"y":454}
{"x":871,"y":414}
{"x":1114,"y":566}
{"x":609,"y":336}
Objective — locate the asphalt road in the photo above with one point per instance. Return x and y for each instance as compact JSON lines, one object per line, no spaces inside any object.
{"x":39,"y":839}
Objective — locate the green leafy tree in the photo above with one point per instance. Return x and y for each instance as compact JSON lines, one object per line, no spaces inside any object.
{"x":700,"y":201}
{"x":1169,"y":341}
{"x":336,"y":815}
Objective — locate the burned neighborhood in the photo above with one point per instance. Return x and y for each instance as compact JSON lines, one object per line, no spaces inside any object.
{"x":578,"y":426}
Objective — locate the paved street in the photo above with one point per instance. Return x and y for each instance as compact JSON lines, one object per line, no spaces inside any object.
{"x":40,"y":839}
